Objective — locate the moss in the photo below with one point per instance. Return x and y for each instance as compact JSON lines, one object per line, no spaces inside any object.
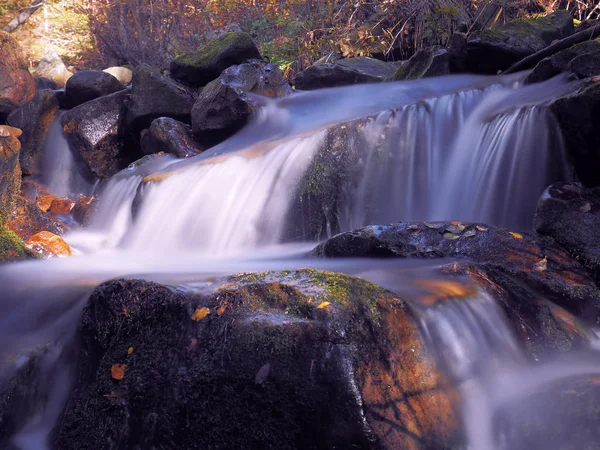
{"x":11,"y":247}
{"x":209,"y":53}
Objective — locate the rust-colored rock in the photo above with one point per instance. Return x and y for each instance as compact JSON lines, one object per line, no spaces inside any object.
{"x":27,"y":219}
{"x":10,"y":170}
{"x":83,"y":209}
{"x":44,"y":201}
{"x":61,"y":206}
{"x":48,"y":244}
{"x":17,"y":86}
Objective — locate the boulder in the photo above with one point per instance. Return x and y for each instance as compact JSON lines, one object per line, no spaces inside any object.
{"x":83,"y":209}
{"x":582,"y":60}
{"x":17,"y":86}
{"x":216,"y":33}
{"x":204,"y":65}
{"x":42,"y":83}
{"x":94,"y":130}
{"x":52,"y":68}
{"x":48,"y":245}
{"x":10,"y":171}
{"x":61,"y":206}
{"x":88,"y":85}
{"x":169,"y":136}
{"x":427,"y":62}
{"x":343,"y":72}
{"x":280,"y":360}
{"x":154,"y":95}
{"x":27,"y":219}
{"x":457,"y":48}
{"x":223,"y":107}
{"x":44,"y":201}
{"x":493,"y":50}
{"x":123,"y":74}
{"x":34,"y":119}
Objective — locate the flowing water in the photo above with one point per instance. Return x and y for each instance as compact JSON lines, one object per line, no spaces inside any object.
{"x":459,"y":147}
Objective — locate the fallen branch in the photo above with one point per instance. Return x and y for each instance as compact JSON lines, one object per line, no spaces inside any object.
{"x":532,"y":60}
{"x":23,"y":16}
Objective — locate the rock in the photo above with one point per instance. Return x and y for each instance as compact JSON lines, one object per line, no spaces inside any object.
{"x":152,"y":96}
{"x":88,"y":85}
{"x":52,"y":68}
{"x":27,"y":219}
{"x":583,"y":60}
{"x":427,"y":62}
{"x":61,"y":206}
{"x":271,"y":361}
{"x":44,"y":201}
{"x":11,"y":247}
{"x":223,"y":107}
{"x":577,"y":115}
{"x":94,"y":127}
{"x":123,"y":74}
{"x":344,"y":72}
{"x":17,"y":86}
{"x":42,"y":83}
{"x":169,"y":136}
{"x":34,"y":119}
{"x":457,"y":48}
{"x":10,"y":171}
{"x":204,"y":65}
{"x":48,"y":245}
{"x":214,"y":34}
{"x":490,"y":51}
{"x":542,"y":288}
{"x":83,"y":209}
{"x":570,"y":214}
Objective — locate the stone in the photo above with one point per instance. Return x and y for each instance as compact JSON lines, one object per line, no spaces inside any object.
{"x":52,"y":68}
{"x":169,"y":136}
{"x":427,"y":62}
{"x":493,"y":50}
{"x":89,"y":85}
{"x":11,"y":247}
{"x":344,"y":72}
{"x":582,"y":60}
{"x":42,"y":83}
{"x":27,"y":219}
{"x":83,"y":209}
{"x":10,"y":171}
{"x":206,"y":64}
{"x":123,"y":74}
{"x":34,"y":119}
{"x":44,"y":201}
{"x":17,"y":86}
{"x":61,"y":206}
{"x":223,"y":107}
{"x":94,"y":129}
{"x":48,"y":245}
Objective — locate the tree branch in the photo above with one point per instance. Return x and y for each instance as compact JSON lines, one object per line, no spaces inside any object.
{"x":23,"y":16}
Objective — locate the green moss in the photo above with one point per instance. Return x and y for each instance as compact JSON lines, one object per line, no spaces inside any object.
{"x":11,"y":247}
{"x":209,"y":53}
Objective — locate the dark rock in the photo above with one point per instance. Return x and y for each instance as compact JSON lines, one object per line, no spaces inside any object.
{"x":42,"y":83}
{"x":490,"y":51}
{"x":83,"y":209}
{"x":223,"y":107}
{"x":204,"y":65}
{"x":154,"y":95}
{"x":52,"y":68}
{"x":427,"y":62}
{"x":272,"y":361}
{"x":34,"y":119}
{"x":17,"y":86}
{"x":27,"y":219}
{"x":583,"y":60}
{"x":88,"y":85}
{"x":344,"y":72}
{"x":578,"y":115}
{"x":169,"y":136}
{"x":93,"y":127}
{"x":457,"y":48}
{"x":10,"y":171}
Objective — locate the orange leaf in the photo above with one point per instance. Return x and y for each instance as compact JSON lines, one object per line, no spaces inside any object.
{"x":130,"y":350}
{"x":200,"y":314}
{"x":117,"y":371}
{"x":221,"y":310}
{"x":516,"y":235}
{"x":323,"y":305}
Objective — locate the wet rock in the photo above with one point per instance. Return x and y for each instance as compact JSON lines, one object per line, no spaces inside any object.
{"x":270,"y":361}
{"x":48,"y":245}
{"x":10,"y":171}
{"x":27,"y":219}
{"x":123,"y":74}
{"x":44,"y":201}
{"x":11,"y":247}
{"x":17,"y":86}
{"x":206,"y":64}
{"x":83,"y":209}
{"x":52,"y":68}
{"x":34,"y":119}
{"x":94,"y":129}
{"x":88,"y":85}
{"x":61,"y":206}
{"x":42,"y":83}
{"x":490,"y":51}
{"x":582,"y":60}
{"x":154,"y":95}
{"x":544,"y":290}
{"x":427,"y":62}
{"x":457,"y":48}
{"x":169,"y":136}
{"x":223,"y":107}
{"x":344,"y":72}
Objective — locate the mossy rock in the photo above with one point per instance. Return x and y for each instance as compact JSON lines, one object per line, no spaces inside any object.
{"x":582,"y":60}
{"x":427,"y":62}
{"x":10,"y":170}
{"x":12,"y":248}
{"x":204,"y":65}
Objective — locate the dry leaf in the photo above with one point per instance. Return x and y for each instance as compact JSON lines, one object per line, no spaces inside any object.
{"x":470,"y":233}
{"x":130,"y":350}
{"x":200,"y":314}
{"x":516,"y":235}
{"x":323,"y":305}
{"x":586,"y":208}
{"x":542,"y":265}
{"x":480,"y":228}
{"x":221,"y":310}
{"x":117,"y":371}
{"x":458,"y":225}
{"x":450,"y":236}
{"x":432,"y":226}
{"x":262,"y":374}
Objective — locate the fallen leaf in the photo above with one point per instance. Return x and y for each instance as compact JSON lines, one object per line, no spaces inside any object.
{"x":516,"y":235}
{"x":413,"y":227}
{"x":221,"y":310}
{"x":117,"y":371}
{"x":586,"y":208}
{"x":130,"y":350}
{"x":454,"y":229}
{"x":470,"y":233}
{"x":480,"y":228}
{"x":450,"y":236}
{"x":262,"y":374}
{"x":542,"y":265}
{"x":458,"y":225}
{"x":433,"y":226}
{"x":200,"y":314}
{"x":323,"y":305}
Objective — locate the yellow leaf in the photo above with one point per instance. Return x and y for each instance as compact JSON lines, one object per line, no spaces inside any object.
{"x":516,"y":235}
{"x":130,"y":350}
{"x":117,"y":371}
{"x":200,"y":314}
{"x":542,"y":265}
{"x":221,"y":310}
{"x":323,"y":305}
